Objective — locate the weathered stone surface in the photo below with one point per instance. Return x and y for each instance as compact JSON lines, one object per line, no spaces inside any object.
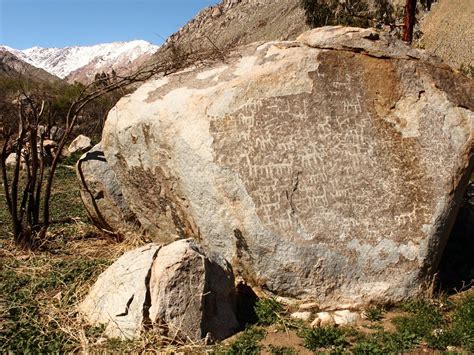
{"x":80,"y":143}
{"x":118,"y":297}
{"x":191,"y":295}
{"x":175,"y":290}
{"x":327,"y":168}
{"x":101,"y":193}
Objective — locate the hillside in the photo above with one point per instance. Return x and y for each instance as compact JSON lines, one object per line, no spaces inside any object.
{"x":448,"y":32}
{"x":238,"y":22}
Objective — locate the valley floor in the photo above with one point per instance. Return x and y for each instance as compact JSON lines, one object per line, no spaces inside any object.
{"x":39,"y":291}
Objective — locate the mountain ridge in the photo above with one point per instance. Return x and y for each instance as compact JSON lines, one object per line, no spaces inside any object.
{"x":81,"y":63}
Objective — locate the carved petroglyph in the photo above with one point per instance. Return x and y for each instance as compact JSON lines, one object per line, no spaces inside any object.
{"x":339,"y":152}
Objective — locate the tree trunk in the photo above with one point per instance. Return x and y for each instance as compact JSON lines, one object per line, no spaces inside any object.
{"x":409,"y":21}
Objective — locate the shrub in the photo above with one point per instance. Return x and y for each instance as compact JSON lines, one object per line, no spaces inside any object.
{"x":463,"y":322}
{"x":247,"y":342}
{"x":374,"y":314}
{"x":385,"y":343}
{"x":324,"y":338}
{"x":267,"y":311}
{"x":425,"y":318}
{"x":348,"y":13}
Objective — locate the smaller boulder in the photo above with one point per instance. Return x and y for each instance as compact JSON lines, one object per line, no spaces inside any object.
{"x":175,"y":290}
{"x":80,"y":144}
{"x":11,"y":160}
{"x":119,"y":294}
{"x":192,"y":295}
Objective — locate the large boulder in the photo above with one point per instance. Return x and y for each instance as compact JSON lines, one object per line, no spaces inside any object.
{"x":327,"y":168}
{"x":102,"y":195}
{"x":176,"y":290}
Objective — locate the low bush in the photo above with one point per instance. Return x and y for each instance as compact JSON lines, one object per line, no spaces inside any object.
{"x":247,"y":343}
{"x":268,"y":311}
{"x":324,"y":338}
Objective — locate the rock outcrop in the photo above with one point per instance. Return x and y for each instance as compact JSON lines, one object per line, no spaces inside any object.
{"x":328,"y":168}
{"x":102,"y":195}
{"x":175,"y":290}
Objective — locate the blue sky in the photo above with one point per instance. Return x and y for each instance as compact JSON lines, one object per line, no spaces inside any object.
{"x":60,"y":23}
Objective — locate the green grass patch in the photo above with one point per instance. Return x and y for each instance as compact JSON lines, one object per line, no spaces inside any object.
{"x":268,"y":311}
{"x":324,"y":338}
{"x":384,"y":343}
{"x":247,"y":343}
{"x":374,"y":314}
{"x":423,"y":319}
{"x":28,"y":289}
{"x":281,"y":350}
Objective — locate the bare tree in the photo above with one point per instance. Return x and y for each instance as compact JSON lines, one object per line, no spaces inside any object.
{"x":28,"y":191}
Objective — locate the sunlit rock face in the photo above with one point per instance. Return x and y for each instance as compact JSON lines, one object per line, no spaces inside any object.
{"x":326,"y":168}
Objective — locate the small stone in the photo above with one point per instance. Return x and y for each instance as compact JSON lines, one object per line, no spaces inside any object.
{"x":285,"y":301}
{"x":345,"y":317}
{"x":308,"y":306}
{"x":304,"y":316}
{"x":323,"y":319}
{"x":81,"y":143}
{"x":216,"y":12}
{"x":11,"y":160}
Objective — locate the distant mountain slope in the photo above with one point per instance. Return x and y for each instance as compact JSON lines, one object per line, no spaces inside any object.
{"x":82,"y":63}
{"x":123,"y":57}
{"x":13,"y":64}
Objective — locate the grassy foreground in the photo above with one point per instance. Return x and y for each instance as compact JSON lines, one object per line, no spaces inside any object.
{"x":39,"y":292}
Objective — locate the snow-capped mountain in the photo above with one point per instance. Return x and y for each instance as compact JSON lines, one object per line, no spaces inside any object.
{"x":14,"y":63}
{"x":82,"y":63}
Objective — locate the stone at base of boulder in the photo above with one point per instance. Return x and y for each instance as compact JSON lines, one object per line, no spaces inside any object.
{"x":345,"y":317}
{"x":175,"y":290}
{"x":304,"y":316}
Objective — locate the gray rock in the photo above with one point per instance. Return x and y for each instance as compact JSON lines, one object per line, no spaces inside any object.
{"x":304,"y":316}
{"x":11,"y":159}
{"x":345,"y":317}
{"x":174,"y":290}
{"x":101,"y":194}
{"x":79,"y":144}
{"x":191,"y":294}
{"x":329,"y":168}
{"x":118,"y":297}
